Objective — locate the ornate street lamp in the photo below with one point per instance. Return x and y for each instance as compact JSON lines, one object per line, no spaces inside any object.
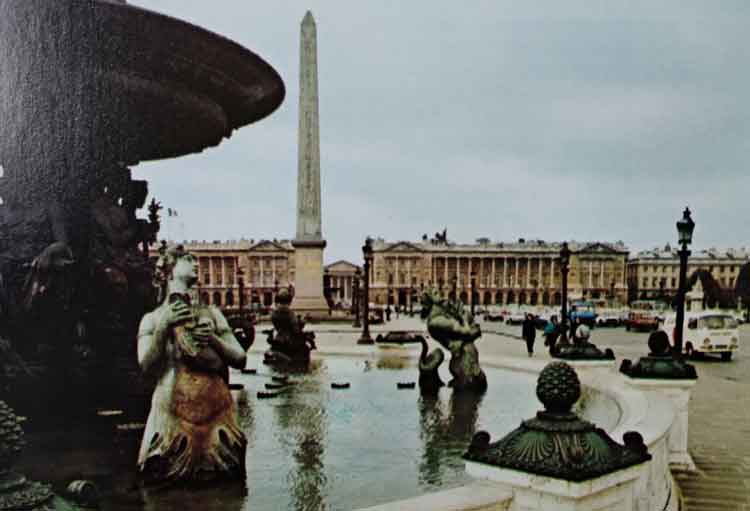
{"x":455,"y":290}
{"x":685,"y":227}
{"x":241,"y":285}
{"x":413,"y":298}
{"x":367,"y":253}
{"x":564,"y":268}
{"x":355,"y":298}
{"x":473,"y":291}
{"x":660,"y":363}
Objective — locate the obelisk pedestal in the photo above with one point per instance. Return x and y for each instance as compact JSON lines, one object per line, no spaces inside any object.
{"x":309,"y":243}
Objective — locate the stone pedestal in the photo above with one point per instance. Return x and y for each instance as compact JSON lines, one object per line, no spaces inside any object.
{"x":308,"y":279}
{"x":611,"y":492}
{"x":558,"y":461}
{"x":678,"y":392}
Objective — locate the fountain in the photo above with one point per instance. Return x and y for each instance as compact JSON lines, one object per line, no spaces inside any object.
{"x":87,"y":89}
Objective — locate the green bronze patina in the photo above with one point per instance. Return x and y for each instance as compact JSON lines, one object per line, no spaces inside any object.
{"x":659,"y":363}
{"x":454,"y":328}
{"x":556,"y":443}
{"x":582,"y":348}
{"x":17,"y":492}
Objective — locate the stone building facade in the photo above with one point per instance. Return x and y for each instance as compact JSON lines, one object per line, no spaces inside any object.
{"x":656,"y":273}
{"x":341,"y":275}
{"x":522,"y":272}
{"x":265,"y":266}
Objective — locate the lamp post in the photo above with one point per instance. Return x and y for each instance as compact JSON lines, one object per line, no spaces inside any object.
{"x":455,"y":290}
{"x":367,"y":253}
{"x":685,"y":227}
{"x":355,"y":297}
{"x":275,"y":290}
{"x":241,"y":285}
{"x":327,"y":290}
{"x":413,"y":298}
{"x":473,"y":291}
{"x":564,"y":268}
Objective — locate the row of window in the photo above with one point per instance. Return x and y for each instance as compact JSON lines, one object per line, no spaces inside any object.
{"x":674,"y":268}
{"x":657,"y":282}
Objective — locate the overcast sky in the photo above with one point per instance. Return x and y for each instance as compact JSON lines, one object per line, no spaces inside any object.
{"x":554,"y":120}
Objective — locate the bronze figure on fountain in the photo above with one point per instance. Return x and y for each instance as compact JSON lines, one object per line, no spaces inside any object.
{"x":454,"y":328}
{"x":429,"y":379}
{"x":290,"y":344}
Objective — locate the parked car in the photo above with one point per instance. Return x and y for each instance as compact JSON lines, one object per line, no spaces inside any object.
{"x":706,"y":332}
{"x":608,"y":318}
{"x":515,"y":317}
{"x":584,"y":311}
{"x":494,"y":316}
{"x":641,"y":321}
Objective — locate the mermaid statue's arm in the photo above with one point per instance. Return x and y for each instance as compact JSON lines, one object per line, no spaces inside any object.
{"x":151,"y":341}
{"x":225,"y":343}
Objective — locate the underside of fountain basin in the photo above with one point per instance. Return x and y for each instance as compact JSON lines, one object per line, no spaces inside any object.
{"x":147,"y":86}
{"x":87,"y":89}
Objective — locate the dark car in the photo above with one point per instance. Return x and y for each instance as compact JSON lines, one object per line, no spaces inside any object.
{"x":494,"y":317}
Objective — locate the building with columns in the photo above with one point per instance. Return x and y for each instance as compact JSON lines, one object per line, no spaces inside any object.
{"x":341,"y":275}
{"x":656,"y":273}
{"x":522,"y":272}
{"x":265,"y":266}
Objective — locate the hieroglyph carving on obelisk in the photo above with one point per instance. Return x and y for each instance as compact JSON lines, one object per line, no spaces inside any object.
{"x":308,"y":170}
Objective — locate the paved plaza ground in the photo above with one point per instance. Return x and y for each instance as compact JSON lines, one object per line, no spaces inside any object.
{"x":719,"y":435}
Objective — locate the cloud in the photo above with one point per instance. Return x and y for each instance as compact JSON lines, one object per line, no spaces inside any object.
{"x":500,"y":118}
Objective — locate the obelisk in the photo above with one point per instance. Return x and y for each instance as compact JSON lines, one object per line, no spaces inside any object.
{"x":308,"y":243}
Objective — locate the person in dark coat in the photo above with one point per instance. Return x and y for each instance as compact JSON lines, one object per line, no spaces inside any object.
{"x":388,"y":313}
{"x":528,"y":332}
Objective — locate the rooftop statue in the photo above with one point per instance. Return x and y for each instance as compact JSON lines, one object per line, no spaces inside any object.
{"x":454,"y":328}
{"x":192,"y":431}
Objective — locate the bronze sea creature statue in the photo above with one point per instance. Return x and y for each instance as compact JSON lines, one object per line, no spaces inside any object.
{"x":429,"y":379}
{"x":291,"y":344}
{"x":192,"y":431}
{"x":454,"y":328}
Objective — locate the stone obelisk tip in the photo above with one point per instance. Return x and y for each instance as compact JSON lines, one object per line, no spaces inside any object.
{"x":308,"y":19}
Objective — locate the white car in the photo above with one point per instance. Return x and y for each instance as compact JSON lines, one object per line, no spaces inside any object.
{"x":608,"y":318}
{"x":515,"y":317}
{"x":706,"y":332}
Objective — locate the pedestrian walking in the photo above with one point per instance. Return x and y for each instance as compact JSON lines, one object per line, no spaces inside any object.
{"x":388,"y":312}
{"x":528,"y":332}
{"x":551,"y":333}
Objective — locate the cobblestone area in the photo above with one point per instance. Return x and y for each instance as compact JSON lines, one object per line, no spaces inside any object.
{"x":719,"y":435}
